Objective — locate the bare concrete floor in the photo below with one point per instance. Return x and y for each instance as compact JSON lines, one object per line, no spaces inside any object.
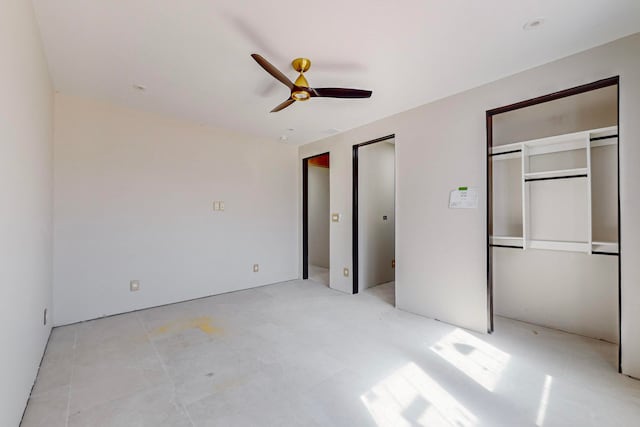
{"x":319,"y":274}
{"x":301,"y":354}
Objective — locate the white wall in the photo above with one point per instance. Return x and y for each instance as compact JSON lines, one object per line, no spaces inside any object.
{"x":319,"y":216}
{"x":441,"y":253}
{"x":570,"y":291}
{"x":133,"y":200}
{"x":376,"y":199}
{"x":26,"y":114}
{"x":589,"y":110}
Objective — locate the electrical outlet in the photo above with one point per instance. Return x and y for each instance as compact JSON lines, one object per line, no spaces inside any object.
{"x":45,"y":317}
{"x":134,"y":285}
{"x":256,"y":268}
{"x":335,"y":217}
{"x":216,"y":206}
{"x":345,"y":272}
{"x":221,"y":205}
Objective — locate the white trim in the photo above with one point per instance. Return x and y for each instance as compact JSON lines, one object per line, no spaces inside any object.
{"x":564,"y":142}
{"x":554,"y":245}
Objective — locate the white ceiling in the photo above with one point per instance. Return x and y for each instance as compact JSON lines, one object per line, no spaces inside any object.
{"x":193,"y":55}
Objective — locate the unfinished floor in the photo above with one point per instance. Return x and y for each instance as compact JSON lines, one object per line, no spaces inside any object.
{"x":301,"y":354}
{"x":319,"y":274}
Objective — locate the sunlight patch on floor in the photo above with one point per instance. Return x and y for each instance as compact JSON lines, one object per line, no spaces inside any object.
{"x":479,"y":360}
{"x":409,"y":396}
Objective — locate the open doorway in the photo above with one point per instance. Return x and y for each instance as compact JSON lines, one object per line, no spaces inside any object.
{"x":316,"y":218}
{"x":553,"y":217}
{"x":374,"y":217}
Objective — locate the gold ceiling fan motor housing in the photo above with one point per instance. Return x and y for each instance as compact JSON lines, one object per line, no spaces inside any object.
{"x":301,"y":65}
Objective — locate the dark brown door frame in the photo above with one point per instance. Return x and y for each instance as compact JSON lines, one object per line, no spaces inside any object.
{"x":612,"y":81}
{"x":305,"y":213}
{"x":354,"y":213}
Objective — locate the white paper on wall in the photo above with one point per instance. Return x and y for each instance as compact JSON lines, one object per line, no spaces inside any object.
{"x":463,"y":198}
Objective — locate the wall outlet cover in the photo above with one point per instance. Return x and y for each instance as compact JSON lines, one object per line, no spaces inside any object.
{"x":134,"y":285}
{"x":335,"y":217}
{"x":345,"y":272}
{"x":256,"y":268}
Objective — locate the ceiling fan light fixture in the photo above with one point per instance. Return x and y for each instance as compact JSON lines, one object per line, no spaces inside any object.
{"x":300,"y":95}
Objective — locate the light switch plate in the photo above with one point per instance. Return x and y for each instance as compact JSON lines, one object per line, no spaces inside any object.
{"x":134,"y":285}
{"x":221,"y":205}
{"x":345,"y":272}
{"x":216,"y":206}
{"x":335,"y":217}
{"x":256,"y":268}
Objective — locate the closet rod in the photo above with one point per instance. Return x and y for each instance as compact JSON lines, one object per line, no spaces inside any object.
{"x":599,"y":138}
{"x":505,"y":152}
{"x":506,"y":246}
{"x":556,"y":177}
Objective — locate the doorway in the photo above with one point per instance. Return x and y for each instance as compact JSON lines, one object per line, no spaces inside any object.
{"x":553,"y":211}
{"x":316,"y":218}
{"x":374,"y":217}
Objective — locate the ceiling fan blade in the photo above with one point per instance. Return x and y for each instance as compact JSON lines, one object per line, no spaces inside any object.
{"x":272,"y":70}
{"x":336,"y":92}
{"x":284,"y":105}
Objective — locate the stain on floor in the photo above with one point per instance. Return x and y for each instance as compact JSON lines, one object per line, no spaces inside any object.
{"x":203,"y":323}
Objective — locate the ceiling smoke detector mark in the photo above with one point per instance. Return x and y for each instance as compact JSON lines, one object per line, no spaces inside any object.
{"x":534,"y":24}
{"x":139,"y":88}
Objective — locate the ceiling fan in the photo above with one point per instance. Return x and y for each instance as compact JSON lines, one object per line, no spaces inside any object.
{"x":300,"y":90}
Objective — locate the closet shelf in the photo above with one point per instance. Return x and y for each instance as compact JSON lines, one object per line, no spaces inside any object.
{"x":566,"y":142}
{"x":525,"y":151}
{"x":561,"y":173}
{"x":609,"y":248}
{"x":507,"y":241}
{"x":603,"y":248}
{"x":555,"y":245}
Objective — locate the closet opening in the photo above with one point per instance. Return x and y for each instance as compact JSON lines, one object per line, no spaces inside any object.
{"x":374,"y":217}
{"x":316,"y":218}
{"x":553,"y":211}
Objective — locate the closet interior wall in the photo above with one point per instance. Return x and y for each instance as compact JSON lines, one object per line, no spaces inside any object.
{"x":376,"y":214}
{"x":319,"y":214}
{"x":546,"y":270}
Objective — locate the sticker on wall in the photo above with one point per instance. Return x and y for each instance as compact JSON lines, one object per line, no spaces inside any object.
{"x":463,"y":198}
